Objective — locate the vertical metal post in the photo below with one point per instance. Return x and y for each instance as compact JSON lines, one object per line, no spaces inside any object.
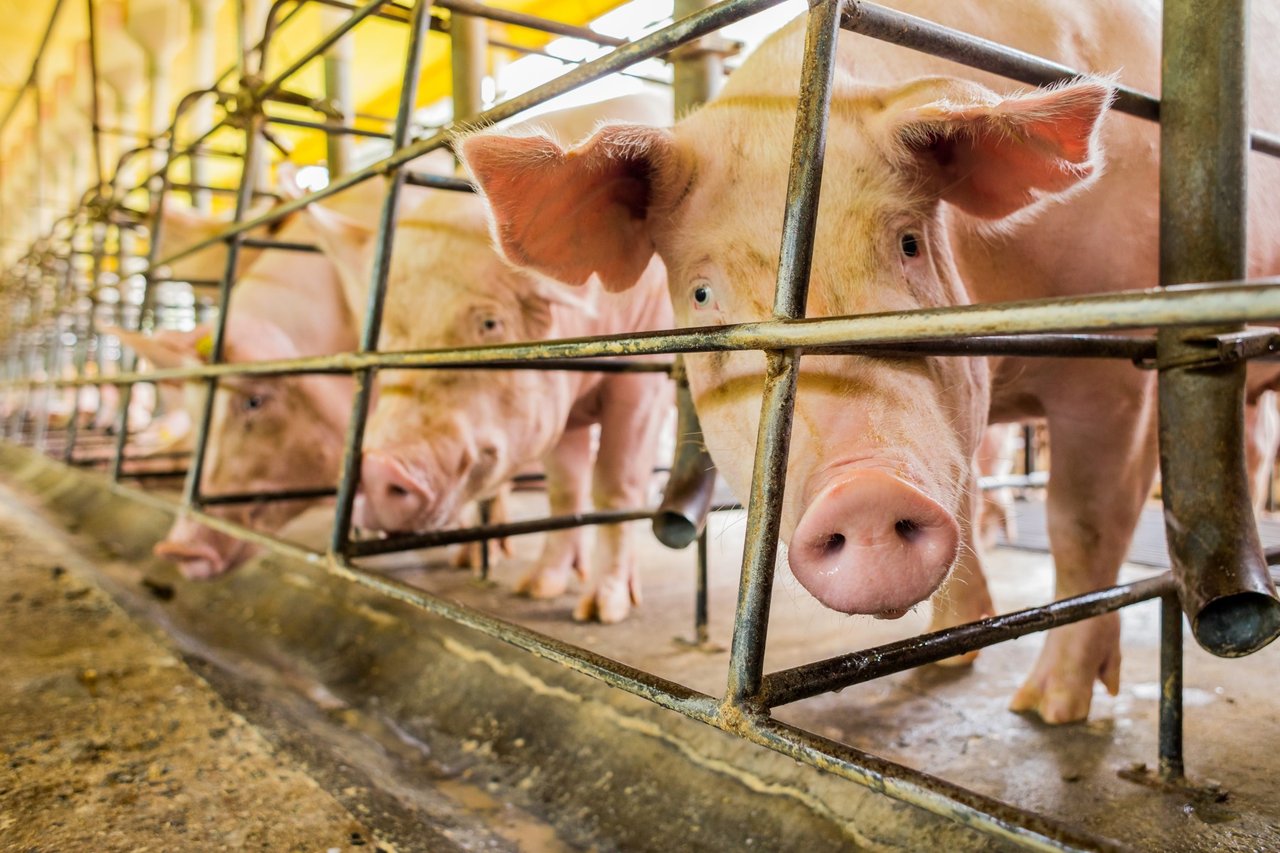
{"x":468,"y":46}
{"x":701,"y":620}
{"x":773,"y":441}
{"x":369,"y":332}
{"x":85,"y":332}
{"x":204,"y":34}
{"x":1170,"y":689}
{"x":244,"y":198}
{"x":1222,"y":578}
{"x":338,"y":91}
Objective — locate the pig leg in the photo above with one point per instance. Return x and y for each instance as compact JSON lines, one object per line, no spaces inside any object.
{"x":633,"y":412}
{"x":564,"y":552}
{"x":964,"y":597}
{"x":1102,"y":461}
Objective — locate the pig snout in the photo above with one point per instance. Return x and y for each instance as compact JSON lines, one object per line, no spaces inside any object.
{"x":391,"y":498}
{"x":201,"y":552}
{"x":871,"y":543}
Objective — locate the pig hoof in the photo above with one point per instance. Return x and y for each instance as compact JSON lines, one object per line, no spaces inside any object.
{"x":544,"y":582}
{"x":1056,"y":705}
{"x":468,"y":556}
{"x":609,"y":603}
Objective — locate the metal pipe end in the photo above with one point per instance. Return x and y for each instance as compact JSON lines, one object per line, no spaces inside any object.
{"x":1239,"y":624}
{"x":675,"y":529}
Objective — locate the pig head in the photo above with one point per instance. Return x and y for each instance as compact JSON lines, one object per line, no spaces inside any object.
{"x":880,"y":482}
{"x":438,"y":439}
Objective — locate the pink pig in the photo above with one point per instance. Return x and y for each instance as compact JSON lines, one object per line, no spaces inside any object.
{"x":437,"y":440}
{"x":942,"y":186}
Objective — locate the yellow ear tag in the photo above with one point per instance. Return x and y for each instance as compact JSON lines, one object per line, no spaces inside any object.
{"x":204,"y":347}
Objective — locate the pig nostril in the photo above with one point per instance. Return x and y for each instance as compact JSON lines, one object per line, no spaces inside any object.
{"x":832,"y":544}
{"x":907,"y":529}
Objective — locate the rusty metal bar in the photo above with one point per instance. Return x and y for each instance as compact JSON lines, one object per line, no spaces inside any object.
{"x":372,"y":327}
{"x":837,"y":673}
{"x":268,"y":497}
{"x":1223,"y":581}
{"x":438,"y":182}
{"x":1170,"y":732}
{"x":485,"y":532}
{"x":529,"y":22}
{"x":768,"y":479}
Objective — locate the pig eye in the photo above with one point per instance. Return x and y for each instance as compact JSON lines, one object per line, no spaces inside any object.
{"x":910,"y":245}
{"x":253,"y":402}
{"x":703,"y":296}
{"x":490,"y":325}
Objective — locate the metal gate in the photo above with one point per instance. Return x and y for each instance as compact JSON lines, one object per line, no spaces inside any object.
{"x":1200,"y":349}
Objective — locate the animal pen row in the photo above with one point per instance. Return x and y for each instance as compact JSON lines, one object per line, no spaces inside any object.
{"x":1200,"y":347}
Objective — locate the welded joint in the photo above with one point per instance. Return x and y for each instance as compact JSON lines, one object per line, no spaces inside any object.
{"x":709,"y":45}
{"x":1226,"y":348}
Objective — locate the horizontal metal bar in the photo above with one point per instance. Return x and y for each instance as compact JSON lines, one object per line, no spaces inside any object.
{"x":1133,"y":348}
{"x":285,"y":245}
{"x":328,"y":127}
{"x":529,"y":22}
{"x":165,"y":475}
{"x":813,"y":679}
{"x":925,"y":36}
{"x":908,"y":31}
{"x":268,"y":497}
{"x":439,"y":538}
{"x":439,"y":182}
{"x":1245,"y":302}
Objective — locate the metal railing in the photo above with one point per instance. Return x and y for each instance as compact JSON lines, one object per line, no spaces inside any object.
{"x":1198,"y":349}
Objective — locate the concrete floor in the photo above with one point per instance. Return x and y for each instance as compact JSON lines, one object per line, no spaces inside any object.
{"x":951,"y":723}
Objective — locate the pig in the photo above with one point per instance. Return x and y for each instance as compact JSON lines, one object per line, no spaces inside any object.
{"x":1262,"y":440}
{"x":268,"y":434}
{"x":942,"y":186}
{"x":437,"y":440}
{"x":994,"y":458}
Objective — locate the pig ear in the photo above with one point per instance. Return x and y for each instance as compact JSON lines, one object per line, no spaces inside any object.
{"x":349,"y":245}
{"x":991,"y":156}
{"x":168,"y":348}
{"x":568,"y":214}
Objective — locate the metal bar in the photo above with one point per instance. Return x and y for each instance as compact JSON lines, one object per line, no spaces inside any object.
{"x":773,"y":441}
{"x":468,"y":42}
{"x":1171,"y":769}
{"x":329,"y":128}
{"x":284,"y":245}
{"x":372,"y":327}
{"x":316,"y":50}
{"x":837,"y":673}
{"x":1173,"y":306}
{"x":1222,"y":578}
{"x":438,"y":182}
{"x":35,"y":65}
{"x":253,"y":152}
{"x":268,"y":497}
{"x":925,"y":36}
{"x":483,"y":533}
{"x":95,"y":132}
{"x":653,"y":45}
{"x":529,"y":22}
{"x":701,"y":620}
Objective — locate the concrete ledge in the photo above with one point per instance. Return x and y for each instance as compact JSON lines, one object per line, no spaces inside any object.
{"x":608,"y":770}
